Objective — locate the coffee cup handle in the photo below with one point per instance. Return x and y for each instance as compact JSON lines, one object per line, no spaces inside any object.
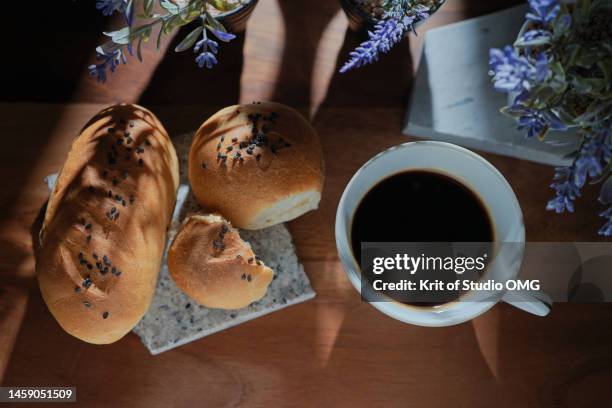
{"x":534,"y":302}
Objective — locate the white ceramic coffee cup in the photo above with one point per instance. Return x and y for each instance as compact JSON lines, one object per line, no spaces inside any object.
{"x":487,"y":182}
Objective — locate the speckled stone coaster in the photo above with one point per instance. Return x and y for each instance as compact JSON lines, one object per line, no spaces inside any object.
{"x":173,"y":319}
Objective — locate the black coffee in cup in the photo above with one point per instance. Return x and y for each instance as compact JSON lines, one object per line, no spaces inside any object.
{"x":420,"y":206}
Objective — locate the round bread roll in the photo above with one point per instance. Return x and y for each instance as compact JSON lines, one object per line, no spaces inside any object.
{"x":211,"y":263}
{"x":104,"y":230}
{"x":258,"y":164}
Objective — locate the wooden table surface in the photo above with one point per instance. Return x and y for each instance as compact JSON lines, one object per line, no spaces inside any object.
{"x":331,"y":351}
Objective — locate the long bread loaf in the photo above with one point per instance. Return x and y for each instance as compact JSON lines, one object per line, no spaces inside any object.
{"x":105,"y":226}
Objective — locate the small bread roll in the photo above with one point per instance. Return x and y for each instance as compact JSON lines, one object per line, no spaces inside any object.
{"x":104,"y":230}
{"x":258,"y":164}
{"x":211,"y":263}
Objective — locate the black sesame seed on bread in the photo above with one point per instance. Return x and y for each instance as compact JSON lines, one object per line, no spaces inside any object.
{"x":211,"y":263}
{"x":257,"y":164}
{"x":104,"y":229}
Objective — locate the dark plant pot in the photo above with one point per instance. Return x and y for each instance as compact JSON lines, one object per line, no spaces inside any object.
{"x":359,"y":20}
{"x":235,"y":21}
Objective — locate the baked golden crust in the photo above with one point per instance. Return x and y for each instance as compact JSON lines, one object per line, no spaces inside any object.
{"x":211,"y":263}
{"x":258,"y":164}
{"x":104,"y":229}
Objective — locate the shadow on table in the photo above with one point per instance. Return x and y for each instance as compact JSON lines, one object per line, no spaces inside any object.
{"x":364,"y":108}
{"x":304,"y":29}
{"x":16,"y":286}
{"x":49,"y":49}
{"x":384,"y":84}
{"x":45,"y":58}
{"x":178,"y":81}
{"x":390,"y":363}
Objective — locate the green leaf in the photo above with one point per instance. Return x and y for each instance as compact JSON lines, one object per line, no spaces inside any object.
{"x":148,"y":7}
{"x":606,"y":67}
{"x":544,"y":95}
{"x":146,"y":33}
{"x":170,"y":23}
{"x":595,"y":108}
{"x":561,"y":25}
{"x":606,"y":190}
{"x":566,"y":117}
{"x":508,"y":111}
{"x":572,"y":51}
{"x":139,"y":50}
{"x":214,"y":23}
{"x":536,"y":42}
{"x":587,"y":58}
{"x":170,"y":7}
{"x":162,"y":30}
{"x":121,"y":36}
{"x":558,"y":81}
{"x":193,"y":10}
{"x":127,"y":34}
{"x":222,"y":5}
{"x":189,"y":40}
{"x":582,"y":85}
{"x":608,"y":184}
{"x":129,"y":8}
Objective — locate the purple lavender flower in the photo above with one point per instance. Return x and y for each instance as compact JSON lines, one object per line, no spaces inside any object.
{"x":536,"y":122}
{"x":129,"y":13}
{"x":98,"y":71}
{"x":566,"y":190}
{"x":606,"y":229}
{"x":539,"y":73}
{"x":108,"y":60}
{"x":541,"y":67}
{"x":209,"y":48}
{"x":386,"y":34}
{"x":533,"y":122}
{"x":399,"y":17}
{"x":421,"y":11}
{"x":125,"y":7}
{"x":534,"y":38}
{"x":207,"y":59}
{"x":108,"y":7}
{"x":587,"y":165}
{"x":564,"y":23}
{"x":592,"y":155}
{"x":206,"y":44}
{"x":510,"y":71}
{"x":605,"y":195}
{"x":222,"y":35}
{"x":114,"y":52}
{"x":543,"y":11}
